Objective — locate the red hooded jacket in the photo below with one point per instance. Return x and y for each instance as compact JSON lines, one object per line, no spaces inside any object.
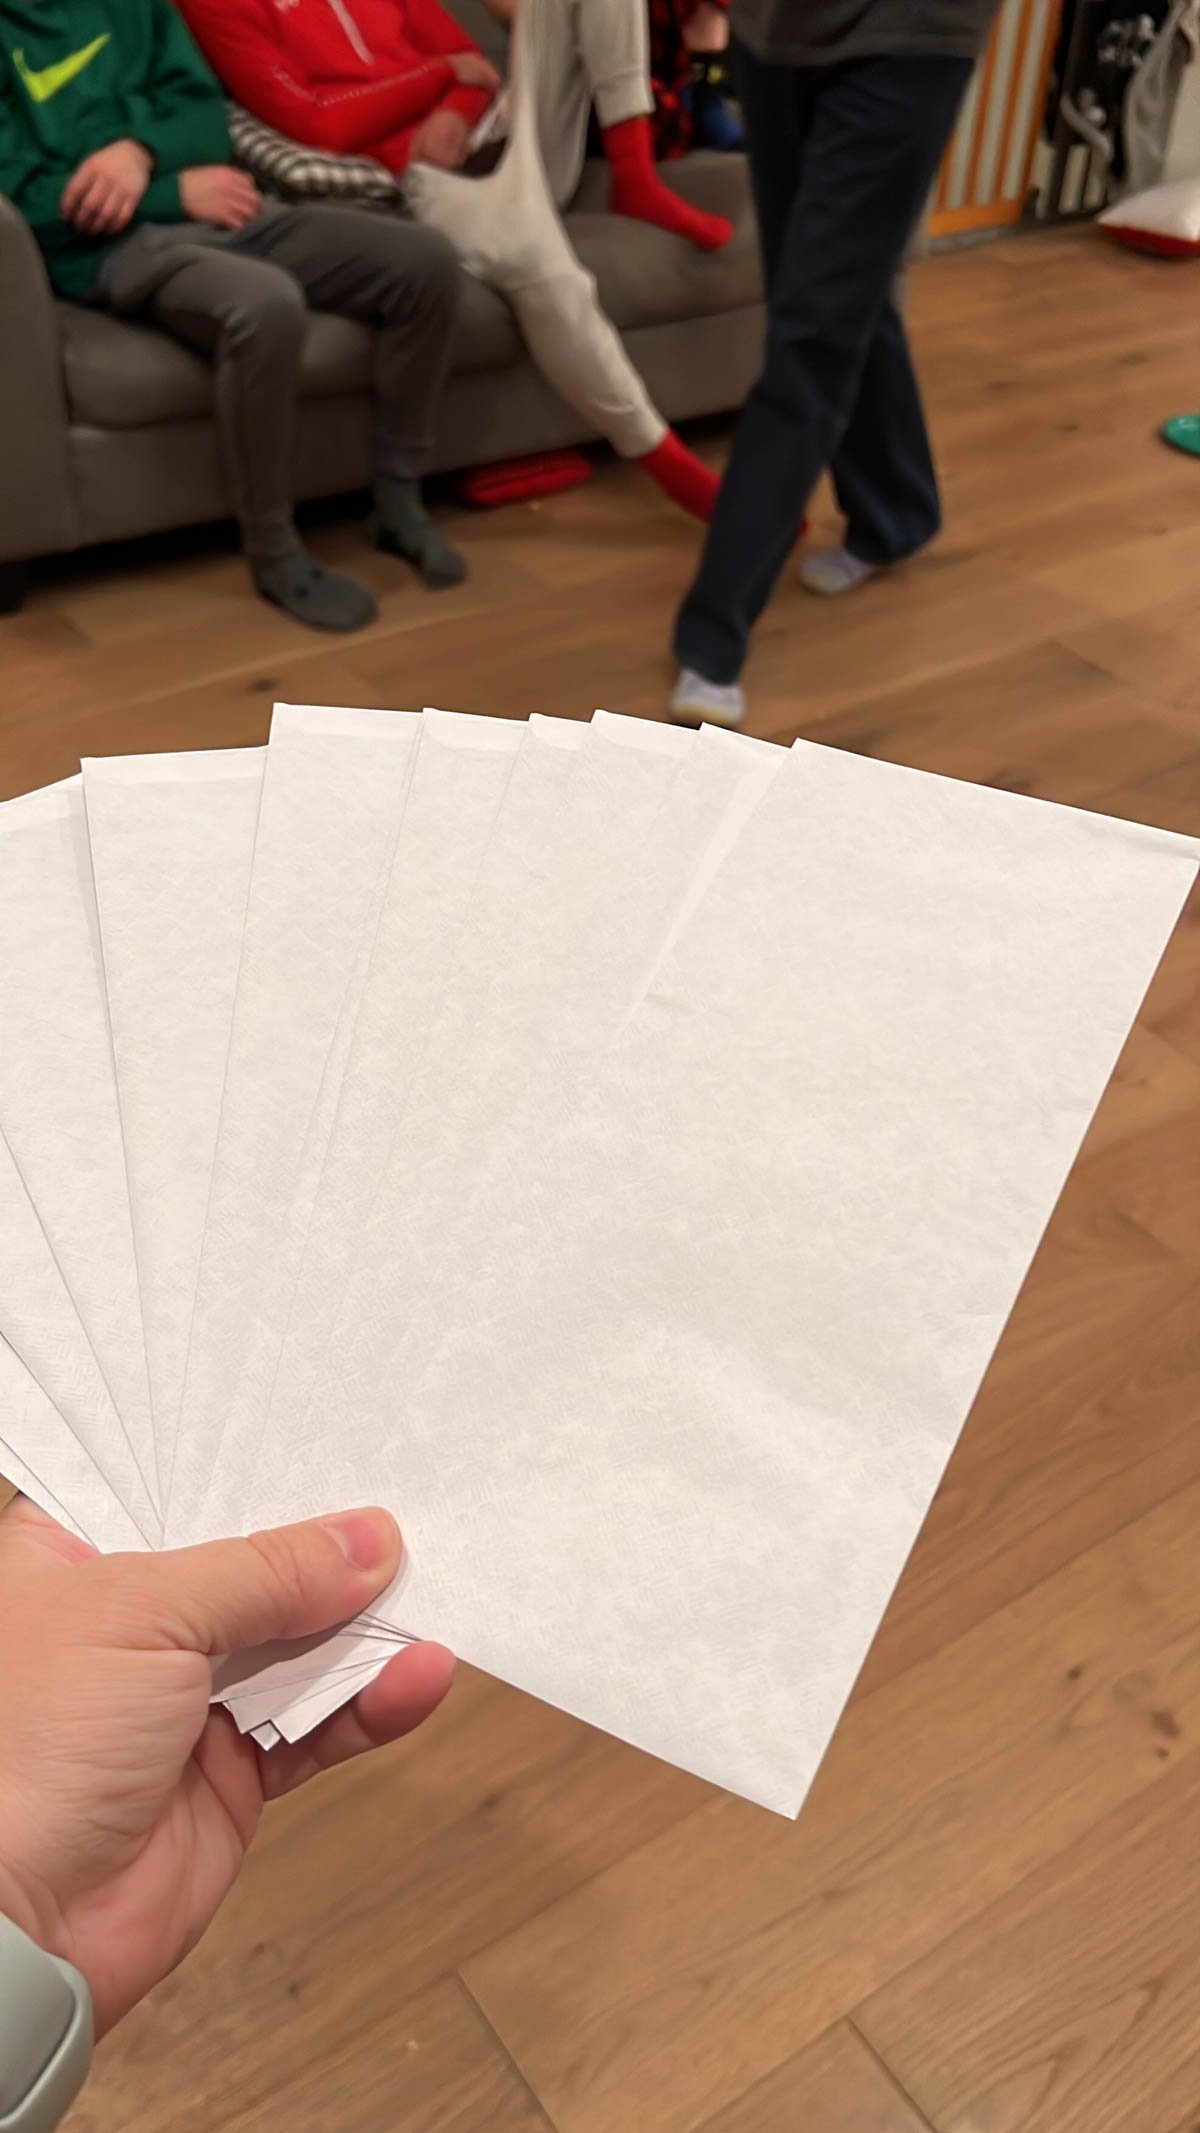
{"x":350,"y":76}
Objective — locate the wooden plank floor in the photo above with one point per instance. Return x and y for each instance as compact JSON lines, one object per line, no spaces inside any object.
{"x":988,"y":1918}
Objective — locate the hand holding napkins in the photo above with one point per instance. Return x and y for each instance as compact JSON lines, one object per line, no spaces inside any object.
{"x":616,"y":1150}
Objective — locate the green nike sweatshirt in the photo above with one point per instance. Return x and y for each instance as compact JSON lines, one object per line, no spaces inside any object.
{"x":77,"y":74}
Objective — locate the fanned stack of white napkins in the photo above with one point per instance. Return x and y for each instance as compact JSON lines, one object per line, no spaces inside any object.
{"x":617,"y":1150}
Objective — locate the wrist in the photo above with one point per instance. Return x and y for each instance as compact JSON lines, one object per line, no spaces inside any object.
{"x":46,"y":2034}
{"x":17,"y":1908}
{"x":25,"y":1905}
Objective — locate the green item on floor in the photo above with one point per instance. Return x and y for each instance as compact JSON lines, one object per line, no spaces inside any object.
{"x":1183,"y":431}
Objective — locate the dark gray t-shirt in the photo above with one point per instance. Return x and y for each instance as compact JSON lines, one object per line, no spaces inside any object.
{"x":815,"y":33}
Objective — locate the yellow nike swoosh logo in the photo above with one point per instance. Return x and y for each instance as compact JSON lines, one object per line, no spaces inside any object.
{"x":45,"y":82}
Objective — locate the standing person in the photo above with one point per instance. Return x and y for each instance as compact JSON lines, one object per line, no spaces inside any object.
{"x":114,"y":145}
{"x":399,"y":80}
{"x":848,"y":106}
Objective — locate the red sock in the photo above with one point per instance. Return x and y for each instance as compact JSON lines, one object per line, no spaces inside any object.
{"x":682,"y":476}
{"x":638,"y":190}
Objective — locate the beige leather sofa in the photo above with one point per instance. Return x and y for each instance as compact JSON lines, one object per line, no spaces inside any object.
{"x":106,"y":427}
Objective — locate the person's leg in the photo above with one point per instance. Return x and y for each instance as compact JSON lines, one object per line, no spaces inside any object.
{"x":551,"y":93}
{"x":777,"y":105}
{"x":250,"y":317}
{"x":572,"y":55}
{"x":883,"y":471}
{"x":576,"y":347}
{"x":615,"y":45}
{"x":507,"y":232}
{"x":873,"y":142}
{"x":406,"y":282}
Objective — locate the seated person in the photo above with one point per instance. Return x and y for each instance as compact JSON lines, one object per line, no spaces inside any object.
{"x":400,"y":81}
{"x":114,"y":145}
{"x":689,"y":43}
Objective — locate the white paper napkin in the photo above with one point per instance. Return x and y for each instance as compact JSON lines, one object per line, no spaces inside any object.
{"x":470,"y":776}
{"x":59,"y":1116}
{"x":333,"y":794}
{"x":619,"y":1153}
{"x":43,"y":1457}
{"x":733,"y":1309}
{"x":172,"y":840}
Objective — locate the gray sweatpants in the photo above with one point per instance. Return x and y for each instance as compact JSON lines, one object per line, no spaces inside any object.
{"x":567,"y":55}
{"x":242,"y":296}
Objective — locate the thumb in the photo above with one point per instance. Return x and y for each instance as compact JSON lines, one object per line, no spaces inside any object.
{"x":290,"y":1582}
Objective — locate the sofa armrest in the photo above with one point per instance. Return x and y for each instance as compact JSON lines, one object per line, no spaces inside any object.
{"x":37,"y":504}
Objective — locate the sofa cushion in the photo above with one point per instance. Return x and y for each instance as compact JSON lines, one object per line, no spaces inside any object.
{"x":125,"y":375}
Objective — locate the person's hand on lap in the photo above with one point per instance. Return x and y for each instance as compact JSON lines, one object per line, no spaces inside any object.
{"x":104,"y":194}
{"x":217,"y":193}
{"x":127,"y":1802}
{"x":443,"y":140}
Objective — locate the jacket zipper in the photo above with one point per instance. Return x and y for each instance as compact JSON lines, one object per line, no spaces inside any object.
{"x":353,"y":34}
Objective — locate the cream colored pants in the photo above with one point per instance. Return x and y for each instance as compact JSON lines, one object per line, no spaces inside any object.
{"x":567,"y":56}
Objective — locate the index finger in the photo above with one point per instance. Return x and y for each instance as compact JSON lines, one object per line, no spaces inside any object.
{"x":72,"y":189}
{"x":22,"y":1521}
{"x":401,"y":1697}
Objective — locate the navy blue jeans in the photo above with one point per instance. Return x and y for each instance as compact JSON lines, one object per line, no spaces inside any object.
{"x":843,"y":159}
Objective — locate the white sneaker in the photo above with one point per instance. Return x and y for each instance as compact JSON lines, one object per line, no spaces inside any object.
{"x":696,"y":702}
{"x":830,"y":571}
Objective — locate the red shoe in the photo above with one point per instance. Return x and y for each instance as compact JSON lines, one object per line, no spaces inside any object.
{"x":522,"y":481}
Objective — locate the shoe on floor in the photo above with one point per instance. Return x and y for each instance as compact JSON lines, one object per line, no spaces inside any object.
{"x":1183,"y":431}
{"x":696,"y":702}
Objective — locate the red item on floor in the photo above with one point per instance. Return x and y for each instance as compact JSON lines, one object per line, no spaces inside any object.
{"x":522,"y":481}
{"x":683,"y":477}
{"x":638,"y":190}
